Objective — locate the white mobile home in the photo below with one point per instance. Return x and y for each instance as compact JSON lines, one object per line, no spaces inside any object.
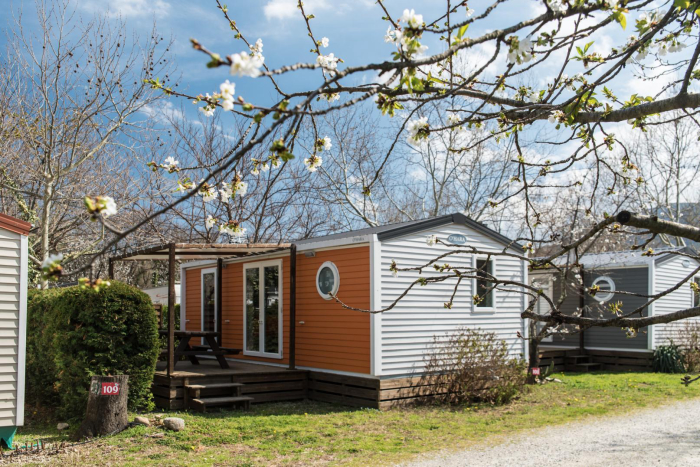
{"x":13,"y":319}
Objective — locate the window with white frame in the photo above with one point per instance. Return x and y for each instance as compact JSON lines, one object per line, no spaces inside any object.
{"x":543,"y":307}
{"x":262,"y":283}
{"x":606,"y":288}
{"x":484,"y":272}
{"x":208,"y":318}
{"x":327,"y":280}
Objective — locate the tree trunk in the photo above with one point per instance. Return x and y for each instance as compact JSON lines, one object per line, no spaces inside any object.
{"x":106,"y":411}
{"x":45,"y":227}
{"x":533,"y":351}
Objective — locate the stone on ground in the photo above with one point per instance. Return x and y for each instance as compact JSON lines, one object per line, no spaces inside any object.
{"x":174,"y":423}
{"x":142,"y":421}
{"x":62,"y":426}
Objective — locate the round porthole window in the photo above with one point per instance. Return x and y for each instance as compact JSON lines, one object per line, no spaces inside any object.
{"x":327,"y":280}
{"x":606,"y":288}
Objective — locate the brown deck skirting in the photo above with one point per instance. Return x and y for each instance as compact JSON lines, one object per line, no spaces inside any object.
{"x":610,"y":360}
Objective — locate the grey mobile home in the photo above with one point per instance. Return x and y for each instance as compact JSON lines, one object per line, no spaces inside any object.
{"x":628,"y":271}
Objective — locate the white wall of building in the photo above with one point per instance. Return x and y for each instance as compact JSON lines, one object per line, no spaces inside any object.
{"x":406,"y":331}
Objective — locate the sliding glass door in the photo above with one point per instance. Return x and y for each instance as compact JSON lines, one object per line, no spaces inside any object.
{"x":263,"y":309}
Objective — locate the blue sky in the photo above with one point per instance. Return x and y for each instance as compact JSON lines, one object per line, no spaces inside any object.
{"x":354,"y":27}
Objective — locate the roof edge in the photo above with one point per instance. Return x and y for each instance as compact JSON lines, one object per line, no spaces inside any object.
{"x":14,"y":225}
{"x":456,"y":218}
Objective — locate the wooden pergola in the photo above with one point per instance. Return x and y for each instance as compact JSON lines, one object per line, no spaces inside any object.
{"x":177,"y":252}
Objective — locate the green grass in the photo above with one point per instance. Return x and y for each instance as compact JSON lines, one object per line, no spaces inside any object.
{"x":316,"y":433}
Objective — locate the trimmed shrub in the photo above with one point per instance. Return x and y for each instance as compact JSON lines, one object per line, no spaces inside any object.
{"x":41,"y":369}
{"x":668,"y":359}
{"x":86,"y":333}
{"x":472,"y":365}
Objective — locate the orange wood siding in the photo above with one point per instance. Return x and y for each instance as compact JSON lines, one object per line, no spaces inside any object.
{"x":331,"y":337}
{"x":193,"y":299}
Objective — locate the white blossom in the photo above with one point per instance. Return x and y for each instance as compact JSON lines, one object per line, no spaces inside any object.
{"x":52,"y":261}
{"x":211,"y":221}
{"x":431,"y":240}
{"x":243,"y":64}
{"x":557,"y":6}
{"x":556,"y":116}
{"x":236,"y":187}
{"x":642,"y":54}
{"x":393,"y":35}
{"x":208,"y":193}
{"x":324,"y":42}
{"x":520,"y":49}
{"x":227,"y":88}
{"x":232,"y":229}
{"x":331,"y":97}
{"x":327,"y":144}
{"x":417,"y":129}
{"x":227,"y":104}
{"x":413,"y":20}
{"x":256,"y":51}
{"x":106,"y":206}
{"x":453,"y":118}
{"x":170,"y":163}
{"x":313,"y":162}
{"x":207,"y":110}
{"x":328,"y":62}
{"x":470,"y":12}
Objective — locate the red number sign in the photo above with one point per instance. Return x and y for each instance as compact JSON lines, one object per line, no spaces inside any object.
{"x":109,"y":389}
{"x":536,"y":371}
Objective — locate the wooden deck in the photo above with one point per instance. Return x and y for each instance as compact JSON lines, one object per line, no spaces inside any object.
{"x":264,"y":383}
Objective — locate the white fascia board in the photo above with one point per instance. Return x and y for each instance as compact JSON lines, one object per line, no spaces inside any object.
{"x":525,"y":328}
{"x":651,"y":290}
{"x":375,"y":301}
{"x":183,"y":297}
{"x":22,"y":331}
{"x":345,"y":241}
{"x":197,"y":264}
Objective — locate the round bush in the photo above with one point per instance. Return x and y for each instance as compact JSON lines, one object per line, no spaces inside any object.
{"x":106,"y":332}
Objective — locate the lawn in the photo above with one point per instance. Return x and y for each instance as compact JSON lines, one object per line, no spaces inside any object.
{"x":306,"y":433}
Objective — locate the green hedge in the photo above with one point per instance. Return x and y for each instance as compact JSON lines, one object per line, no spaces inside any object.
{"x":76,"y":333}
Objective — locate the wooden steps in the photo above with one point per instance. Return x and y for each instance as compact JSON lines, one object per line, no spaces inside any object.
{"x":195,"y":396}
{"x":582,"y":364}
{"x":202,"y":404}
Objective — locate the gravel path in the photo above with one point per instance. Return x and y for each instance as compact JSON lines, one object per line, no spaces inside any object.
{"x":665,"y":436}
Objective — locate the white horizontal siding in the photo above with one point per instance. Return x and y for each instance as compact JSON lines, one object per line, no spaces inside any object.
{"x":667,"y":275}
{"x":10,"y":285}
{"x":410,"y":328}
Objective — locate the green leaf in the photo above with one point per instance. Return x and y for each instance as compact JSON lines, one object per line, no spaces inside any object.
{"x":462,"y":30}
{"x":620,"y":18}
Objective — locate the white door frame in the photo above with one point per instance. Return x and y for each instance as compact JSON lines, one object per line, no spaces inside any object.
{"x":260,"y":265}
{"x":201,"y":300}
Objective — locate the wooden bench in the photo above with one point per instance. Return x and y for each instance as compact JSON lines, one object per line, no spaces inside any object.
{"x":184,"y":349}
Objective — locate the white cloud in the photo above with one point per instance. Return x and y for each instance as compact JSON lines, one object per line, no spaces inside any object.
{"x":130,"y":8}
{"x":284,"y":9}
